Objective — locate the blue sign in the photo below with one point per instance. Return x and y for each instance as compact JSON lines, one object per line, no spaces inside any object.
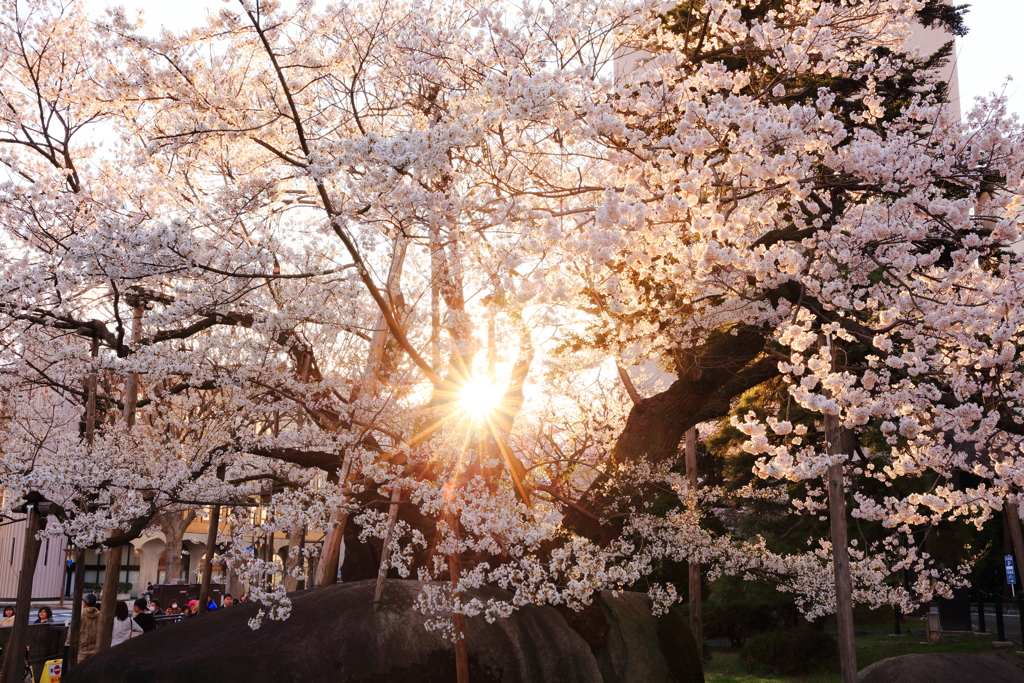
{"x":1011,"y":572}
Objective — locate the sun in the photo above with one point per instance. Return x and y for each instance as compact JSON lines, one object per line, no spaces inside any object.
{"x":480,"y":396}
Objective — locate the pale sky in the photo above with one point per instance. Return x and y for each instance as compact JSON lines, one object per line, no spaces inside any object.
{"x":986,"y":56}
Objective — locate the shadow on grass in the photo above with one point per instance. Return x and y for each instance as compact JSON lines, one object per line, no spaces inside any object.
{"x":725,"y":665}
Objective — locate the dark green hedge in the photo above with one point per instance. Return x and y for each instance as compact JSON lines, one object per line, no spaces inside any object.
{"x":791,"y":651}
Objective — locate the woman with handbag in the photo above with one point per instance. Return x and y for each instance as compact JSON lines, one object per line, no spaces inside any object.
{"x":124,"y":626}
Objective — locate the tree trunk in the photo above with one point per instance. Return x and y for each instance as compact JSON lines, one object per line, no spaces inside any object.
{"x":174,"y":525}
{"x":717,"y":372}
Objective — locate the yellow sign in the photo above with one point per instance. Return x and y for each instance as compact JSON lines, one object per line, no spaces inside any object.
{"x":51,"y":671}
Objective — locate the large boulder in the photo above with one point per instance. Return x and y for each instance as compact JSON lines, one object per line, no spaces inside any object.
{"x":945,"y":668}
{"x":334,"y":635}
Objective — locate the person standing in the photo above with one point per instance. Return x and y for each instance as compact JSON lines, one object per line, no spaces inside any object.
{"x":227,"y":601}
{"x":143,"y":617}
{"x":8,"y":618}
{"x":88,"y":632}
{"x":124,"y":627}
{"x":45,"y":615}
{"x":155,"y":609}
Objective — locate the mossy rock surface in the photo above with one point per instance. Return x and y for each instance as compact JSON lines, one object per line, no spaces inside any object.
{"x":334,"y":636}
{"x":945,"y":668}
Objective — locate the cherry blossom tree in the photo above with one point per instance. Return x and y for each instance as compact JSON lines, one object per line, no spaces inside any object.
{"x":391,"y":265}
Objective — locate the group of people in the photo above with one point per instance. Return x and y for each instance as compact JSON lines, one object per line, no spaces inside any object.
{"x":44,"y":616}
{"x":192,"y":608}
{"x":127,"y":626}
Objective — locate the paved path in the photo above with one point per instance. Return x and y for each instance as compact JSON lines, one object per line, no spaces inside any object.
{"x":1011,"y":622}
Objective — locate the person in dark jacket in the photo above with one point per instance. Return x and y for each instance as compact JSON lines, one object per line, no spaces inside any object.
{"x":45,"y":615}
{"x":142,"y":616}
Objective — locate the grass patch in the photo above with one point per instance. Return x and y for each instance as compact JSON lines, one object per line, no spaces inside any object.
{"x":725,"y":665}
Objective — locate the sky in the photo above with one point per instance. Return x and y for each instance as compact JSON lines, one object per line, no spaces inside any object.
{"x":985,"y":57}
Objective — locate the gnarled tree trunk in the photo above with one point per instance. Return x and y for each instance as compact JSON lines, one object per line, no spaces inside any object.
{"x":174,"y":524}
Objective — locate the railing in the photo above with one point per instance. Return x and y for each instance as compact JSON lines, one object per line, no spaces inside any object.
{"x":980,"y":597}
{"x":165,"y":620}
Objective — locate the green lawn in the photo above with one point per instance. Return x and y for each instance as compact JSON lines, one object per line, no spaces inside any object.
{"x":725,"y":665}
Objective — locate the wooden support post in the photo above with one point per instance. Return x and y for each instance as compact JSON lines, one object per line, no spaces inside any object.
{"x":841,"y":563}
{"x":1000,"y":625}
{"x":14,"y":652}
{"x":696,"y":621}
{"x":330,"y":554}
{"x":330,"y":551}
{"x":459,"y":623}
{"x":90,"y":436}
{"x":77,"y":595}
{"x":131,"y":389}
{"x":295,"y":561}
{"x":113,"y":567}
{"x":109,"y":599}
{"x":840,"y":543}
{"x":458,"y":620}
{"x":76,"y":609}
{"x":211,"y":546}
{"x":1013,"y":522}
{"x":385,"y":553}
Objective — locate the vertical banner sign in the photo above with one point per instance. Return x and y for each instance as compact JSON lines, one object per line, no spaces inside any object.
{"x":1011,"y":572}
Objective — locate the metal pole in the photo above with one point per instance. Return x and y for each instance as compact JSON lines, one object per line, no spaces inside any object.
{"x":14,"y":653}
{"x":1000,"y":629}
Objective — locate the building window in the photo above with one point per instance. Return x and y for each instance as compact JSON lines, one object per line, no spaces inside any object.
{"x":96,"y":567}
